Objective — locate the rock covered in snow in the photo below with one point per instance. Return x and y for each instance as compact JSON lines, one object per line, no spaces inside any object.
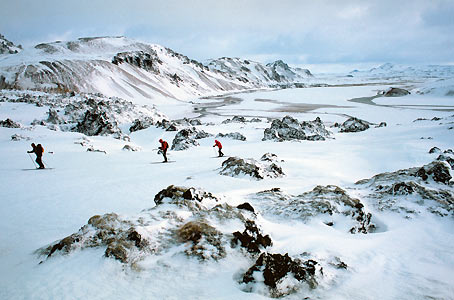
{"x":330,"y":203}
{"x":354,"y":125}
{"x":205,"y":240}
{"x":412,"y":191}
{"x":8,"y":123}
{"x":290,"y":128}
{"x":18,"y":137}
{"x":96,"y":122}
{"x":180,"y":218}
{"x":235,"y":166}
{"x":232,"y":135}
{"x":188,"y":137}
{"x":282,"y":274}
{"x":190,"y":197}
{"x":131,"y":148}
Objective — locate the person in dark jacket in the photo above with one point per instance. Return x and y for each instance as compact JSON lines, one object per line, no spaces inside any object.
{"x":38,"y":150}
{"x":163,"y":149}
{"x":219,"y":145}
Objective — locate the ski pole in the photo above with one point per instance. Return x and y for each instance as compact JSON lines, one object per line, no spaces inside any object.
{"x":32,"y":161}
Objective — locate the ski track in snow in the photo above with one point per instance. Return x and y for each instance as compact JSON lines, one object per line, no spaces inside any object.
{"x":405,"y":259}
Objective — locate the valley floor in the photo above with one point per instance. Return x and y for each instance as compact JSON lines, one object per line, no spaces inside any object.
{"x":408,"y":257}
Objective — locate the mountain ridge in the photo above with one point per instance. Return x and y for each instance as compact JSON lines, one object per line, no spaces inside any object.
{"x":119,"y":66}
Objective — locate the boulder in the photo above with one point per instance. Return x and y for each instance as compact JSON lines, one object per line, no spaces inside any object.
{"x":235,"y":166}
{"x":289,"y":129}
{"x":8,"y":123}
{"x":354,"y":125}
{"x":396,"y":92}
{"x":274,"y":269}
{"x":187,"y":138}
{"x":96,"y":122}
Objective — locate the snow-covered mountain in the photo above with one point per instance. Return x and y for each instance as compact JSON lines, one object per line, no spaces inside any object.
{"x":7,"y":47}
{"x":257,"y":74}
{"x":400,"y":70}
{"x":122,"y":67}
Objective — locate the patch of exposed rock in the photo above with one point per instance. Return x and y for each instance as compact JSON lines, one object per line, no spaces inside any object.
{"x":411,"y":191}
{"x":232,"y":135}
{"x":330,"y":203}
{"x":289,"y":129}
{"x":395,"y":92}
{"x":354,"y":125}
{"x":187,"y":138}
{"x":282,"y":274}
{"x":182,"y":196}
{"x":236,"y":167}
{"x":251,"y":238}
{"x":8,"y":123}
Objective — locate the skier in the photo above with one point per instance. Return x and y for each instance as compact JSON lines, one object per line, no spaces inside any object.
{"x":219,"y":145}
{"x":163,"y":149}
{"x":38,"y":150}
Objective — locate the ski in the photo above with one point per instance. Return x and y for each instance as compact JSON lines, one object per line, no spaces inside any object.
{"x":37,"y":169}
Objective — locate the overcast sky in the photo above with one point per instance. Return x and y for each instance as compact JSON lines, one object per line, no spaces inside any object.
{"x":299,"y":32}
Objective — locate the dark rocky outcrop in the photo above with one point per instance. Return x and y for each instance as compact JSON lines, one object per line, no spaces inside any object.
{"x":147,"y":61}
{"x":183,"y":195}
{"x":275,"y":267}
{"x":354,"y":125}
{"x":396,"y":92}
{"x":96,"y":122}
{"x":246,"y":206}
{"x":141,"y":124}
{"x":289,"y":129}
{"x":434,"y":150}
{"x":251,"y":238}
{"x":187,"y":138}
{"x":8,"y":123}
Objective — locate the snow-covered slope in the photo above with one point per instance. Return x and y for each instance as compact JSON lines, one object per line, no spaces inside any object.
{"x":257,"y":74}
{"x":122,"y":67}
{"x":114,"y":66}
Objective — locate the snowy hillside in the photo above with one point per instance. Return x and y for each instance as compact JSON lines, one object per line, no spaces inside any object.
{"x":277,"y":73}
{"x":121,"y":67}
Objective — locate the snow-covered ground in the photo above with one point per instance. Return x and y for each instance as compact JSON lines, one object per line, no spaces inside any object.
{"x":408,"y":256}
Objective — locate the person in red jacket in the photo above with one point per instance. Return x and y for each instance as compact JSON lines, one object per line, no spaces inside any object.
{"x":219,"y":145}
{"x":163,"y":149}
{"x":38,"y":150}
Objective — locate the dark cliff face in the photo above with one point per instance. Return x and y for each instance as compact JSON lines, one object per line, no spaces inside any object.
{"x":145,"y":60}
